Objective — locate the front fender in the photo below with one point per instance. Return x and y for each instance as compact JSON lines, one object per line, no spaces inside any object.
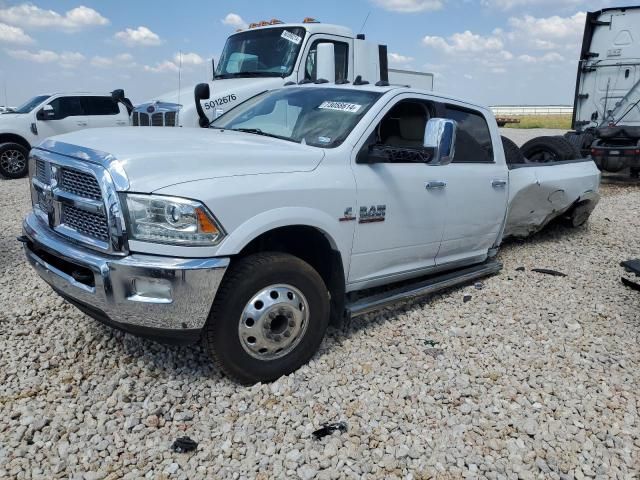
{"x":339,"y":239}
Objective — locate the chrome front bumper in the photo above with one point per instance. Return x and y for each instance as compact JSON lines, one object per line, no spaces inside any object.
{"x":159,"y":297}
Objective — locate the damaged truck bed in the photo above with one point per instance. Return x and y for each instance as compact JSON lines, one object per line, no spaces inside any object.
{"x":540,"y":193}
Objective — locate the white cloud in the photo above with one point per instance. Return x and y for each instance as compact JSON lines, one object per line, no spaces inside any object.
{"x":64,"y":59}
{"x":551,"y":57}
{"x":511,"y":4}
{"x":234,"y":20}
{"x":123,"y":60}
{"x":410,"y":6}
{"x":29,"y":16}
{"x":465,"y":42}
{"x":188,"y":59}
{"x":547,"y":33}
{"x":9,"y":34}
{"x":162,"y":67}
{"x":397,"y":59}
{"x":140,"y":36}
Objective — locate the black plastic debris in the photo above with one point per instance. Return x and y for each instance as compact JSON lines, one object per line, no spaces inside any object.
{"x":184,"y":445}
{"x":520,"y":269}
{"x":632,"y":285}
{"x":546,"y":271}
{"x":329,"y":428}
{"x":467,"y":298}
{"x":479,"y":286}
{"x":430,"y":343}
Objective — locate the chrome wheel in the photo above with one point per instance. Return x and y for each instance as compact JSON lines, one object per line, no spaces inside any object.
{"x":12,"y":161}
{"x":273,"y":322}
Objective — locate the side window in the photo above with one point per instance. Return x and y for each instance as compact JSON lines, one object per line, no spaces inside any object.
{"x":64,"y":107}
{"x":399,"y":137}
{"x":101,"y":106}
{"x":473,"y":137}
{"x":341,"y":52}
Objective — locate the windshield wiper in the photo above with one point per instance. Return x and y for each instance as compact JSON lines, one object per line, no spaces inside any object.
{"x":257,"y":131}
{"x":246,"y":74}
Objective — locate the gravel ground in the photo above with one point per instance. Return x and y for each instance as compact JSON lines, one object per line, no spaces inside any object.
{"x":535,"y":377}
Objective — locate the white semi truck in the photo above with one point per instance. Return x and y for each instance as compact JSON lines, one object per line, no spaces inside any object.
{"x":270,"y":55}
{"x":606,"y":116}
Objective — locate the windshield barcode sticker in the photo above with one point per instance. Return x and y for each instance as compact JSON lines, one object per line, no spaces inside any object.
{"x":292,"y":37}
{"x":341,"y":106}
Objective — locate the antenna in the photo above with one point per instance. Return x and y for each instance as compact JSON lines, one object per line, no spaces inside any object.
{"x":365,"y":22}
{"x":179,"y":74}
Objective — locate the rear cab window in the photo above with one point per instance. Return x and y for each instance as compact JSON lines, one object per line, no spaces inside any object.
{"x":473,"y":136}
{"x":101,"y":106}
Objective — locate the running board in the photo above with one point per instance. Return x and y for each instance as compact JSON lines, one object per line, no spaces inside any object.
{"x":426,"y":287}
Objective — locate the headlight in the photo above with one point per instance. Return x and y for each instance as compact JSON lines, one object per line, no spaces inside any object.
{"x":172,"y":220}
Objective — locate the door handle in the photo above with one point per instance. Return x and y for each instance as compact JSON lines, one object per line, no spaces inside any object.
{"x":122,"y":122}
{"x":81,"y":124}
{"x":435,"y":185}
{"x":499,"y":183}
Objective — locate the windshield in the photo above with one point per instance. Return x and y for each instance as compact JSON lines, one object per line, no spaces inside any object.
{"x":268,"y":52}
{"x":31,"y":104}
{"x":322,"y":117}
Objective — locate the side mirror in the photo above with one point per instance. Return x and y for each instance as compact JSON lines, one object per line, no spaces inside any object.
{"x":46,"y":113}
{"x":202,"y":92}
{"x":440,"y":139}
{"x":325,"y":62}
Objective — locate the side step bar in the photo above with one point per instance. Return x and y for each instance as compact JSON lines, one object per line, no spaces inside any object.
{"x":432,"y":285}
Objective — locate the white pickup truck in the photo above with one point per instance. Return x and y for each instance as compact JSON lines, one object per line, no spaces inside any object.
{"x":284,"y":215}
{"x":47,"y":115}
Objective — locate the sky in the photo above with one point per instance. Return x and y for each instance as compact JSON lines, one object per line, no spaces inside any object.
{"x":495,"y":52}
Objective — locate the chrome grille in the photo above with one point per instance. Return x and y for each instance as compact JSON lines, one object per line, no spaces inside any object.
{"x":42,"y":172}
{"x":170,"y":119}
{"x":86,"y":223}
{"x":80,"y":183}
{"x":156,"y":114}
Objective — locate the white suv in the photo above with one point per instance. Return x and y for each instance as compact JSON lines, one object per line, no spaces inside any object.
{"x":47,"y":115}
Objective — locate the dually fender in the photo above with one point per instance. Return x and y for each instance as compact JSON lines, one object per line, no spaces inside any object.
{"x":339,"y":237}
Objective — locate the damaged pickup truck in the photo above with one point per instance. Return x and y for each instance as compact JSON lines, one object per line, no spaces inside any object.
{"x":283,"y":216}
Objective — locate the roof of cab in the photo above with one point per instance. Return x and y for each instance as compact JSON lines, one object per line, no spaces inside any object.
{"x":309,"y":27}
{"x":395,"y":88}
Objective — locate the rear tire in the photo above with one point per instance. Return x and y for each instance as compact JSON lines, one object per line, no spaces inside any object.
{"x":268,"y":319}
{"x":14,"y":160}
{"x":512,"y":152}
{"x":549,"y":149}
{"x":581,"y":141}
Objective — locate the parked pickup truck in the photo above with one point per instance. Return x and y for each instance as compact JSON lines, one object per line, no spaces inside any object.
{"x":286,"y":214}
{"x":47,"y":115}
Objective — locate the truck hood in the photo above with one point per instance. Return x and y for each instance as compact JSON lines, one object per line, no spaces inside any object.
{"x":227,"y":86}
{"x":154,"y":158}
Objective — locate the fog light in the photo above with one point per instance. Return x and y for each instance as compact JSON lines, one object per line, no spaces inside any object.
{"x":151,"y":290}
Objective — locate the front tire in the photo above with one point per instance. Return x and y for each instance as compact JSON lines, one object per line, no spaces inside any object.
{"x":13,"y":160}
{"x":268,"y":319}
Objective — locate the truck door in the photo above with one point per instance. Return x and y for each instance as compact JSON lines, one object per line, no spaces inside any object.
{"x":342,"y":56}
{"x":400,"y":221}
{"x":68,"y":115}
{"x":476,"y":190}
{"x":104,"y":112}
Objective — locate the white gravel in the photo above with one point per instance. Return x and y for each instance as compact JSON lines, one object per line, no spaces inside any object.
{"x":534,"y":377}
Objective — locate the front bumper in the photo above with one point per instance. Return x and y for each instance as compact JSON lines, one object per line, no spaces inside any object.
{"x":164,"y":298}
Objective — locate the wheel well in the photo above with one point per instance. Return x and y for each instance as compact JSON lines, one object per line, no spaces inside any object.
{"x":13,"y":138}
{"x":312,"y":246}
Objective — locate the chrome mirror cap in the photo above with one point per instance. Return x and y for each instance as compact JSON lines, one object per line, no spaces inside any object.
{"x":440,"y":138}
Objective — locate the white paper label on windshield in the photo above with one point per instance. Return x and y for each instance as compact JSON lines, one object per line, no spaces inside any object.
{"x":292,"y":37}
{"x":341,"y":106}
